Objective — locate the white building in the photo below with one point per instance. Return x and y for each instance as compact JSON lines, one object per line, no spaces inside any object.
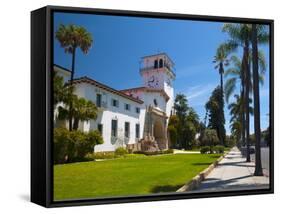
{"x":135,"y":117}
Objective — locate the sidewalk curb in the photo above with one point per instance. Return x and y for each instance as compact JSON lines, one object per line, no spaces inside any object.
{"x":196,"y":181}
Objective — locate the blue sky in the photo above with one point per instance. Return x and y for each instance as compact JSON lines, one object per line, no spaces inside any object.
{"x":120,"y":42}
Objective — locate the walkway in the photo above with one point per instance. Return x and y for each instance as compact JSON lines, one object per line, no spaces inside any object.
{"x":233,"y":173}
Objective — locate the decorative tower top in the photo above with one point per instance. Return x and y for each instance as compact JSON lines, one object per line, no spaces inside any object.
{"x":157,"y":70}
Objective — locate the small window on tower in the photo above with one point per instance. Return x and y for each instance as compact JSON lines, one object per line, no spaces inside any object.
{"x":155,"y":102}
{"x":161,"y":63}
{"x":156,"y":63}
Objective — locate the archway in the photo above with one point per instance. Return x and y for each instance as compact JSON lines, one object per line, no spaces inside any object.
{"x":159,"y":134}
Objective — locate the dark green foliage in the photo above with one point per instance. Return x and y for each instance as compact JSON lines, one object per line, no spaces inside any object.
{"x":214,"y":107}
{"x":205,"y":149}
{"x":210,"y":138}
{"x":169,"y":151}
{"x":173,"y":130}
{"x":120,"y":151}
{"x":75,"y":145}
{"x":184,"y":125}
{"x":218,"y":149}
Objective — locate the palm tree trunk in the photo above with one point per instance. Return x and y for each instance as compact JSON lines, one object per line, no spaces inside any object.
{"x":221,"y":71}
{"x":247,"y":94}
{"x":258,"y":165}
{"x":71,"y":83}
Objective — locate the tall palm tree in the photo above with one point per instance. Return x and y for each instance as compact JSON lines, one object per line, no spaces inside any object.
{"x":240,"y":36}
{"x":258,"y":166}
{"x":221,"y":60}
{"x":72,"y":37}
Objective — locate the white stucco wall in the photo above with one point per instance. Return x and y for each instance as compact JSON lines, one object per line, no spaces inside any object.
{"x":109,"y":112}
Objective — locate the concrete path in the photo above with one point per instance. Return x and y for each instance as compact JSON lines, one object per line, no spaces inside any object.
{"x":233,"y":173}
{"x":177,"y":151}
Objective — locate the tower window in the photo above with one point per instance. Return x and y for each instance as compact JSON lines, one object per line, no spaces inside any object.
{"x":155,"y":63}
{"x":161,"y":63}
{"x":155,"y":102}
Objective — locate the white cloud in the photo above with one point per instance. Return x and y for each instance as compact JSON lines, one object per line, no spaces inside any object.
{"x":198,"y":95}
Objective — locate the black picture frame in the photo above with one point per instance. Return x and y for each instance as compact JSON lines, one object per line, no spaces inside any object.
{"x":42,"y":114}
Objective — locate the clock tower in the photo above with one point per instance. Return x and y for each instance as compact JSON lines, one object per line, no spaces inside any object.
{"x":157,"y":73}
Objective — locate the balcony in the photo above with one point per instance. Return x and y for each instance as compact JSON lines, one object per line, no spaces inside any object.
{"x":171,"y":69}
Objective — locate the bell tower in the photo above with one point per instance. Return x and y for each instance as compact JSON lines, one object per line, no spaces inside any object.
{"x":157,"y":72}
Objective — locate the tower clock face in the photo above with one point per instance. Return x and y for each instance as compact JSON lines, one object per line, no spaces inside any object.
{"x":153,"y":81}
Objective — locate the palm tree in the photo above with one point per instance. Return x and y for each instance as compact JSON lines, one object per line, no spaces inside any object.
{"x":234,"y":74}
{"x":221,"y":61}
{"x":240,"y":36}
{"x":72,"y":37}
{"x":258,"y":166}
{"x":236,"y":112}
{"x":82,"y":110}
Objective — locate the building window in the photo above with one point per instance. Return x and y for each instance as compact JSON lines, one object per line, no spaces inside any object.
{"x":155,"y":102}
{"x":137,"y":110}
{"x":155,"y":63}
{"x":137,"y":130}
{"x":98,"y":100}
{"x":161,"y":63}
{"x":114,"y":128}
{"x":115,"y":103}
{"x":127,"y":129}
{"x":100,"y":128}
{"x":127,"y":107}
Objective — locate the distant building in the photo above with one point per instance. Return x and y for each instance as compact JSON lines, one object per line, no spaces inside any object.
{"x":136,"y":117}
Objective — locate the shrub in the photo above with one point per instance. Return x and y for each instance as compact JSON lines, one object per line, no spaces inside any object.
{"x":162,"y":152}
{"x":210,"y":137}
{"x":219,"y":149}
{"x":205,"y":149}
{"x":63,"y":146}
{"x":72,"y":146}
{"x":120,"y":151}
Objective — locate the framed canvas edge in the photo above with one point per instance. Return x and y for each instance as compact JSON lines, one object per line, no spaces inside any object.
{"x":155,"y":197}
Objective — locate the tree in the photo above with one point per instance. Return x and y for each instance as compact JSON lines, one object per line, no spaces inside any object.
{"x":82,"y":110}
{"x":210,"y":138}
{"x":184,"y":125}
{"x":258,"y":166}
{"x":59,"y":90}
{"x":191,"y":127}
{"x":221,"y":61}
{"x":240,"y":36}
{"x":173,"y":128}
{"x":72,"y":37}
{"x":181,"y":108}
{"x":214,"y":109}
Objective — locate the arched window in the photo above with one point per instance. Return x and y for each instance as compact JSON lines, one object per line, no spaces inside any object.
{"x":161,"y":63}
{"x":156,"y":63}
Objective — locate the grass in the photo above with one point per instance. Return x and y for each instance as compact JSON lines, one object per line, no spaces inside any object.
{"x":127,"y":176}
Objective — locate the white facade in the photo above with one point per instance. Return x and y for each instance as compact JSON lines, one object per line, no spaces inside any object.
{"x":128,"y":106}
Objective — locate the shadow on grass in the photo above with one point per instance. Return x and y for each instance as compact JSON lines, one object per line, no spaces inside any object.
{"x":165,"y":188}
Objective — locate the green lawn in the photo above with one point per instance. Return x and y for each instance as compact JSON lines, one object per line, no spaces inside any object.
{"x":127,"y":176}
